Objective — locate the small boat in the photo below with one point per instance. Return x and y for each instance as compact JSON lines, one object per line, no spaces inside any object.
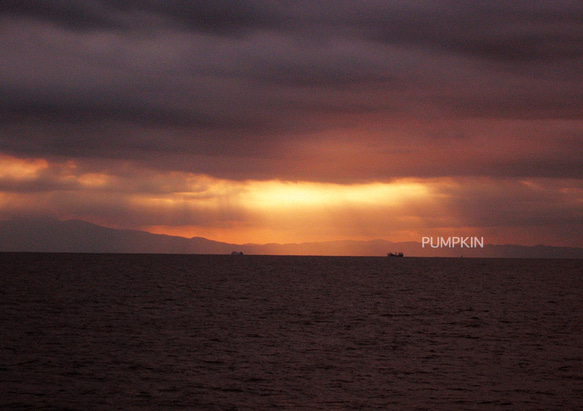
{"x":395,"y":255}
{"x":237,"y":253}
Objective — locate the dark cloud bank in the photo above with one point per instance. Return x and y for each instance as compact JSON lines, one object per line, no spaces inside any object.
{"x":246,"y":89}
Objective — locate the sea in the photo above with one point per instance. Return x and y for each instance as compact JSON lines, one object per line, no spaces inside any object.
{"x":248,"y":332}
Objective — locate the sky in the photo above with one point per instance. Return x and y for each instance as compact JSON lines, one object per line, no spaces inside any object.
{"x":293,"y":121}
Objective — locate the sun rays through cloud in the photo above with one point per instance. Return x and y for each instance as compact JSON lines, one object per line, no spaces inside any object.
{"x":189,"y":205}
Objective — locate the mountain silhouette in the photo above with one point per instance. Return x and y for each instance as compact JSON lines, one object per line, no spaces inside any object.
{"x":76,"y":236}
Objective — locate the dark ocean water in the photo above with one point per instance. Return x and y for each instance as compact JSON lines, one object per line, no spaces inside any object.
{"x":261,"y":332}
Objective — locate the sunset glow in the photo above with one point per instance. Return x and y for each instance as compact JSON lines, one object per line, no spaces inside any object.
{"x":189,"y":205}
{"x":266,"y":123}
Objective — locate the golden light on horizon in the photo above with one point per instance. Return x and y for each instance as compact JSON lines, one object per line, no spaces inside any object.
{"x":125,"y":195}
{"x":307,"y":194}
{"x":276,"y":211}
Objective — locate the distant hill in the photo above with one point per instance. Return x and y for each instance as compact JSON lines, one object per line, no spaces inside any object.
{"x":50,"y":235}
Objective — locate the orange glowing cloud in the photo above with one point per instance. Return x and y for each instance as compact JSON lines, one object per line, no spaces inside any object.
{"x":16,"y":169}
